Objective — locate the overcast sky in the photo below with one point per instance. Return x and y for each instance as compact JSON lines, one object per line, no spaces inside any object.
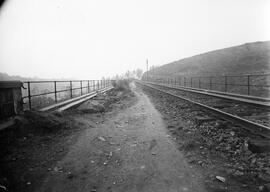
{"x":88,"y":39}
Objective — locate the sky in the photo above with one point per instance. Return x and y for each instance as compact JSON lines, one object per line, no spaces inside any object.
{"x":90,"y":39}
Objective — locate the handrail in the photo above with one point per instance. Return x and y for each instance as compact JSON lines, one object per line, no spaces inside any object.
{"x":91,"y":85}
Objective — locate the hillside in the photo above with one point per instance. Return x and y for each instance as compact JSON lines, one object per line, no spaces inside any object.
{"x":6,"y":77}
{"x":246,"y":58}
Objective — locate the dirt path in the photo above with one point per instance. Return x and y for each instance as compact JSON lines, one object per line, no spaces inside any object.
{"x":128,"y":151}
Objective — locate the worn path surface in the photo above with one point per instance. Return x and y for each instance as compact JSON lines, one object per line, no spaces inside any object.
{"x":128,"y":151}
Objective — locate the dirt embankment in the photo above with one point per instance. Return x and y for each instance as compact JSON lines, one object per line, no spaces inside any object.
{"x":31,"y":148}
{"x":222,"y":150}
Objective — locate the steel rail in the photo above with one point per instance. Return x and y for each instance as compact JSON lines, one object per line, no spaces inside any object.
{"x":237,"y":99}
{"x":263,"y":99}
{"x":66,"y":102}
{"x":253,"y":127}
{"x":78,"y":102}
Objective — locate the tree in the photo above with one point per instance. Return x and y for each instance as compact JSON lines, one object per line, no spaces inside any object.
{"x":128,"y":74}
{"x":139,"y":73}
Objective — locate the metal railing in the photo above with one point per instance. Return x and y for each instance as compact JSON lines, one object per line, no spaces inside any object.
{"x":249,"y":84}
{"x":43,"y":93}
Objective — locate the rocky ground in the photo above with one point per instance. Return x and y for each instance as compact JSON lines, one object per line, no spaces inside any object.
{"x":31,"y":148}
{"x":225,"y":153}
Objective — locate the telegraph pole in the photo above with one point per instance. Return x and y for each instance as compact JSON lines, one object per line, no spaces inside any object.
{"x":146,"y":69}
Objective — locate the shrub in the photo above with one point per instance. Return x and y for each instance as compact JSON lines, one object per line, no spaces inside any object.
{"x":122,"y":85}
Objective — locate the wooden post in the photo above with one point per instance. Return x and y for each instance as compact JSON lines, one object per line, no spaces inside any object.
{"x":225,"y":83}
{"x":210,"y":83}
{"x":70,"y":84}
{"x":81,"y":87}
{"x":248,"y":84}
{"x":29,"y":95}
{"x":55,"y":92}
{"x":88,"y":86}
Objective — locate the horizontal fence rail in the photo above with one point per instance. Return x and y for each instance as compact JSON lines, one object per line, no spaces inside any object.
{"x":38,"y":94}
{"x":250,"y":84}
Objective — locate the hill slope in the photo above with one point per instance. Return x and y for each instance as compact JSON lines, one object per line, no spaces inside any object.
{"x":246,"y":58}
{"x":7,"y":77}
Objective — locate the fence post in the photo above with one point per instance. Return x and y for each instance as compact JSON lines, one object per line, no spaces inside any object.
{"x":88,"y":86}
{"x":225,"y":82}
{"x":248,"y":84}
{"x":70,"y":83}
{"x":175,"y":81}
{"x":55,"y":92}
{"x":191,"y":81}
{"x":81,"y":87}
{"x":180,"y":81}
{"x":185,"y":81}
{"x":29,"y":95}
{"x":199,"y":82}
{"x":210,"y":83}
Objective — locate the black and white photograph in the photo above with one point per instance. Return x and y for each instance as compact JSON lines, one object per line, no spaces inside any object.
{"x":135,"y":96}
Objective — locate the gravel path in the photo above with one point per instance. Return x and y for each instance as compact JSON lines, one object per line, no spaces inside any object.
{"x":128,"y":150}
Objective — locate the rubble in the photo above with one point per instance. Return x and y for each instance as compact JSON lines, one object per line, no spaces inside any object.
{"x":259,"y":146}
{"x":222,"y":179}
{"x":218,"y":145}
{"x":70,"y":175}
{"x":101,"y":138}
{"x":3,"y":187}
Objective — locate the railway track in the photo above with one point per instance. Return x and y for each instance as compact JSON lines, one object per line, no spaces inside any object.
{"x":251,"y":114}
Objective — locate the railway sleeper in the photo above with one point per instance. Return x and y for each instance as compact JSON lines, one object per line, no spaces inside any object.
{"x":259,"y":146}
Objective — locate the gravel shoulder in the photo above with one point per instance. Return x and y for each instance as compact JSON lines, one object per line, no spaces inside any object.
{"x":230,"y":158}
